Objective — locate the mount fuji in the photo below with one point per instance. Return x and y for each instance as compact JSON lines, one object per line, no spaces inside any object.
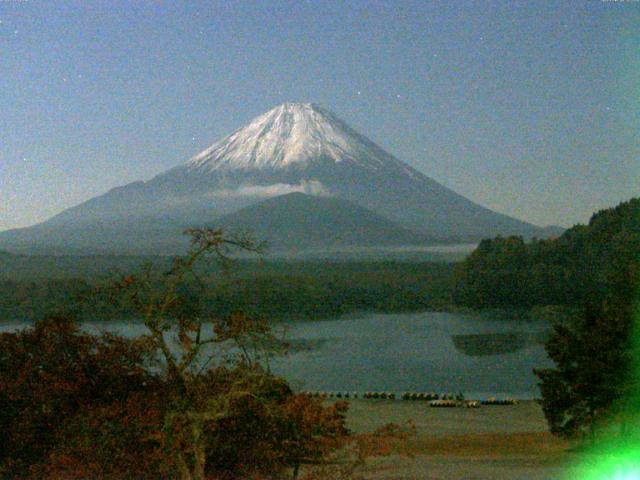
{"x":294,"y":148}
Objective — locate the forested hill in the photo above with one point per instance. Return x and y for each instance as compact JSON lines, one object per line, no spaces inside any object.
{"x":576,"y":268}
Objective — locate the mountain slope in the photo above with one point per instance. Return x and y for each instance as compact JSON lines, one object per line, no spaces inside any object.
{"x":300,"y":221}
{"x":298,"y":144}
{"x":292,"y":148}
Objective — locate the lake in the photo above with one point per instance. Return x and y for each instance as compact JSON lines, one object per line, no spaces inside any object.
{"x":423,"y":352}
{"x":416,"y":352}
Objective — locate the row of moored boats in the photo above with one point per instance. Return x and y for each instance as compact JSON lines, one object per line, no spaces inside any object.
{"x":434,"y":399}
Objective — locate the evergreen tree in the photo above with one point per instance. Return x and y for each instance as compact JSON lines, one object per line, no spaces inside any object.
{"x":596,"y":357}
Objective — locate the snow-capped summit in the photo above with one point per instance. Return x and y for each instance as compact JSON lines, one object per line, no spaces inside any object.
{"x":292,"y":134}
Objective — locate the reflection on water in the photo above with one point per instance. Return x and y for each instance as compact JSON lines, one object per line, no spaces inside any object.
{"x":415,"y":352}
{"x":398,"y":352}
{"x":495,"y":343}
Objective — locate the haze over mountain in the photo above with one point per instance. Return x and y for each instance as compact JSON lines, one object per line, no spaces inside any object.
{"x":294,"y":147}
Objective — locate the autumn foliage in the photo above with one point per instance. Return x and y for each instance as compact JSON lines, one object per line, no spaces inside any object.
{"x":77,"y":406}
{"x":169,"y":404}
{"x":55,"y":384}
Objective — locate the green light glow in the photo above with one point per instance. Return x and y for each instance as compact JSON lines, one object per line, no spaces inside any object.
{"x":613,"y":464}
{"x":616,"y":458}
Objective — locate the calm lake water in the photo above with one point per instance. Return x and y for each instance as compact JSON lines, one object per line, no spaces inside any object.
{"x":425,"y":352}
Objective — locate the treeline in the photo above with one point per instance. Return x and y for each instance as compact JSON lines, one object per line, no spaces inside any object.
{"x":275,"y":290}
{"x":34,"y":300}
{"x":23,"y":268}
{"x":577,"y":268}
{"x":323,"y":290}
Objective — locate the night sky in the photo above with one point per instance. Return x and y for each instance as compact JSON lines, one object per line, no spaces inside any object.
{"x":530,"y":108}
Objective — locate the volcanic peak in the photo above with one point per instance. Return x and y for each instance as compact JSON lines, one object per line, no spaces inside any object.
{"x":291,"y":134}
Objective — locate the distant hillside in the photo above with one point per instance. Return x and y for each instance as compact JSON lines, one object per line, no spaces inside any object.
{"x":577,"y":267}
{"x":300,"y":221}
{"x":134,"y":237}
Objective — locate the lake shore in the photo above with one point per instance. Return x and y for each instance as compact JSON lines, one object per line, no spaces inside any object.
{"x":492,"y":442}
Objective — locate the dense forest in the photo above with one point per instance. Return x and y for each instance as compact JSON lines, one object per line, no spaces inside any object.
{"x":274,"y":289}
{"x":573,"y":269}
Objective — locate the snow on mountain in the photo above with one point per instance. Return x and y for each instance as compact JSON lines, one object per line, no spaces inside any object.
{"x":293,"y":134}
